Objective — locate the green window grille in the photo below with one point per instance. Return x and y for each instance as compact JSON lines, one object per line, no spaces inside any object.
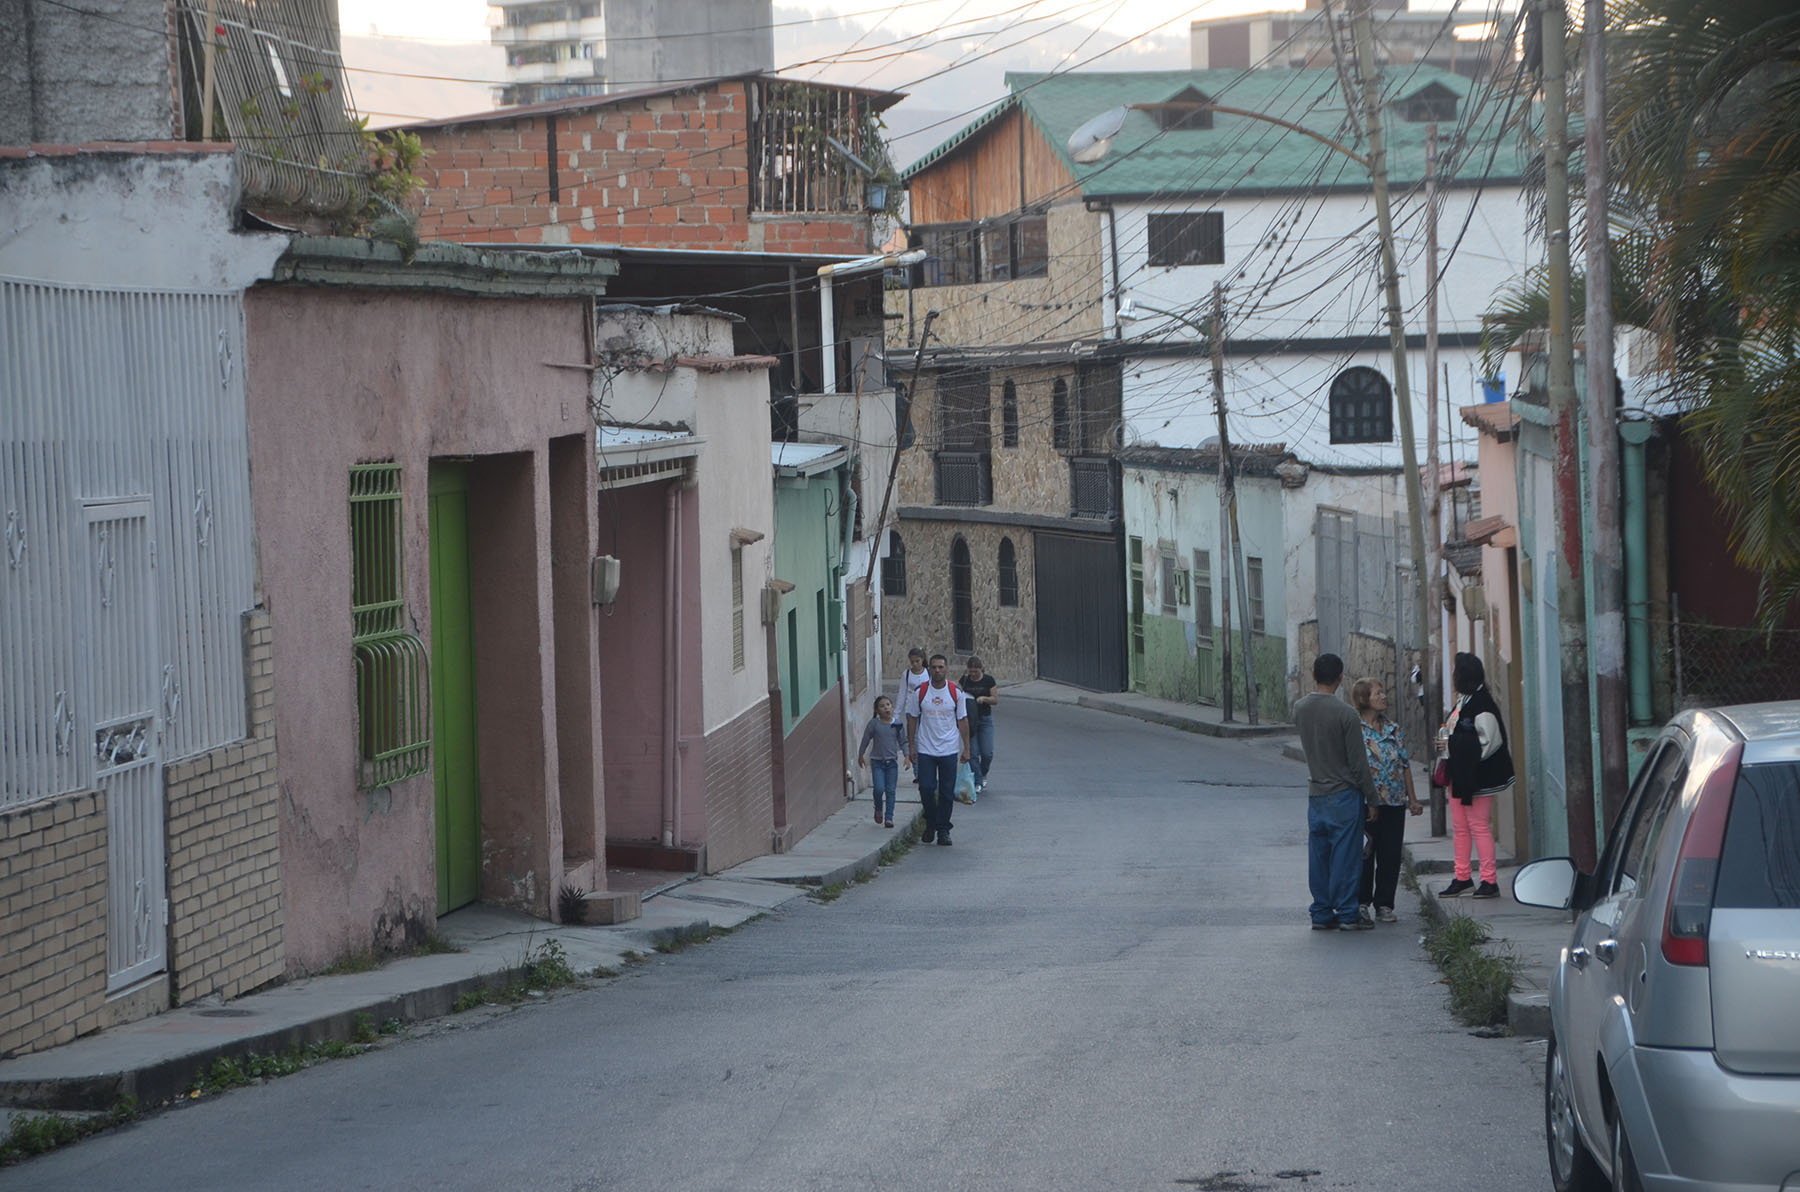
{"x":393,"y":688}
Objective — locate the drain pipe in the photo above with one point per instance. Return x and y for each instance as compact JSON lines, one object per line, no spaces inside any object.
{"x":672,"y":665}
{"x":1636,"y":433}
{"x":828,"y":311}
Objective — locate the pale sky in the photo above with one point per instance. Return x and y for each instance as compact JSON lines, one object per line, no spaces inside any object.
{"x":467,"y":20}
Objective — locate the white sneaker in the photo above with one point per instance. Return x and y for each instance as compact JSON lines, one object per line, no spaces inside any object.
{"x":1385,"y":914}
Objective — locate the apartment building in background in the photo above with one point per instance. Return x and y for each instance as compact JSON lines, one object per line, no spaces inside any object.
{"x":566,"y":49}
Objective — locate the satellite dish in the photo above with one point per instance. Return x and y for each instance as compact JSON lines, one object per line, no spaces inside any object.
{"x":1093,"y":140}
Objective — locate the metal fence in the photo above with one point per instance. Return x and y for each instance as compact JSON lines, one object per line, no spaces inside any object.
{"x":1714,"y":665}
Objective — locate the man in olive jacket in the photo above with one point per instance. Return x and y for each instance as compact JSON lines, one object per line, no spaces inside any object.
{"x":1340,"y":796}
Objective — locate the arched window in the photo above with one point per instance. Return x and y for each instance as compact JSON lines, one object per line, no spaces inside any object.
{"x":1009,"y":575}
{"x":1362,"y":407}
{"x":1059,"y":415}
{"x":893,"y":567}
{"x":962,"y":603}
{"x":1009,"y":415}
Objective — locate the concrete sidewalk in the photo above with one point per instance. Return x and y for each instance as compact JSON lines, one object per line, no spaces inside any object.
{"x":158,"y":1058}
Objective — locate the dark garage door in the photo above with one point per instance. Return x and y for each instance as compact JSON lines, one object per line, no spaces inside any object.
{"x":1081,"y":611}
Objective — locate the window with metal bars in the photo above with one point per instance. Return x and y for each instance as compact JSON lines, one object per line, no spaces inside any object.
{"x":737,"y":609}
{"x":1009,"y":574}
{"x":893,"y":567}
{"x":1253,"y":581}
{"x":1362,"y":407}
{"x":1009,"y":415}
{"x":393,"y":684}
{"x":1203,"y":596}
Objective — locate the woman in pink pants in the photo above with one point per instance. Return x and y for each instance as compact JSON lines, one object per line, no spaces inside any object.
{"x":1481,"y":767}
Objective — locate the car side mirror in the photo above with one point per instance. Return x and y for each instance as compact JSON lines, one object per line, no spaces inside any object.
{"x":1548,"y":883}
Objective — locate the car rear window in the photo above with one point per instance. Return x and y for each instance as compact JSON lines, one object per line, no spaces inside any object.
{"x":1761,"y":863}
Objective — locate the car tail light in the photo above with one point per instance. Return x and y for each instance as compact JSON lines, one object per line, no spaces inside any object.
{"x":1697,"y":866}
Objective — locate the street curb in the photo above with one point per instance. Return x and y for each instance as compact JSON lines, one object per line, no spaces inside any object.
{"x":171,"y":1078}
{"x":1205,"y":728}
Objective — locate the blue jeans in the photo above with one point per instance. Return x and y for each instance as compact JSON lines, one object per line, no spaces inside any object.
{"x":1334,"y":854}
{"x":885,"y":775}
{"x":981,"y":748}
{"x":937,"y":789}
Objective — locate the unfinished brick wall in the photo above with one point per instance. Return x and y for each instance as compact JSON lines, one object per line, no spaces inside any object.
{"x":740,"y":808}
{"x":225,"y":907}
{"x":670,"y":170}
{"x":52,"y":921}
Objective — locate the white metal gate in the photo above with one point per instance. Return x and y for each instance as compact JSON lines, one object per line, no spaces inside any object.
{"x":124,"y":681}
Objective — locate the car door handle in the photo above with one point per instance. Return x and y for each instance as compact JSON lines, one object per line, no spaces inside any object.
{"x":1606,"y":951}
{"x":1578,"y":956}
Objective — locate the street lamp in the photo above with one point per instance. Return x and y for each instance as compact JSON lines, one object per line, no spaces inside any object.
{"x":1228,"y":512}
{"x":1096,"y":148}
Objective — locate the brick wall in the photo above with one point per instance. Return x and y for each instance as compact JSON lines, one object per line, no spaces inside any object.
{"x":225,"y":906}
{"x":740,"y":808}
{"x":52,"y":921}
{"x":664,"y":171}
{"x":813,"y":765}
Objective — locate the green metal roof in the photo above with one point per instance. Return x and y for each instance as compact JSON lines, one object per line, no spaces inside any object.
{"x":1238,"y":153}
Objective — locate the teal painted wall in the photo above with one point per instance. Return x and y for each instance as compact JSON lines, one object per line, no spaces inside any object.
{"x":808,"y":550}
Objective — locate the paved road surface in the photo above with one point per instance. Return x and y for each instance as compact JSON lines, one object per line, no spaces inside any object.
{"x":1106,"y":983}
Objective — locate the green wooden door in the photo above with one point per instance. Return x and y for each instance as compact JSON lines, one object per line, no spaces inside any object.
{"x":453,"y":692}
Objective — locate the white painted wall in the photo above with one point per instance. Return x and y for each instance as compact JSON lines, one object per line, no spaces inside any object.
{"x":130,"y":220}
{"x":1281,"y":398}
{"x":1308,"y":266}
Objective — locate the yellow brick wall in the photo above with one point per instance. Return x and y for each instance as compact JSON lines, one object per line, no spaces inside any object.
{"x":224,"y":830}
{"x":52,"y":921}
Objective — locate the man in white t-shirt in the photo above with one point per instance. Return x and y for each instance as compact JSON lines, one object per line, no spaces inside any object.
{"x":937,"y":739}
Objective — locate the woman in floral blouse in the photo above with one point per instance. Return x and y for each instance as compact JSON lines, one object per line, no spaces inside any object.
{"x":1394,"y":790}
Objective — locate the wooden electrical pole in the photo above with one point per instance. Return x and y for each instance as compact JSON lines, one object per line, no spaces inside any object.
{"x":1228,"y":494}
{"x":1607,"y":548}
{"x":1362,"y":31}
{"x":1227,"y":510}
{"x":1565,"y":414}
{"x":1431,"y":670}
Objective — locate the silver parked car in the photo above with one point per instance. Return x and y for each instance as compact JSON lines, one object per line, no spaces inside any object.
{"x":1675,"y":1056}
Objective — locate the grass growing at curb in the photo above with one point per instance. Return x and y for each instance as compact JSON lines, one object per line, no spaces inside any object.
{"x":541,"y":969}
{"x":36,"y":1133}
{"x":700,"y":935}
{"x":1479,"y":979}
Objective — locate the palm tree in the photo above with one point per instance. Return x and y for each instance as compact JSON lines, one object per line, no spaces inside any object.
{"x":1704,"y":146}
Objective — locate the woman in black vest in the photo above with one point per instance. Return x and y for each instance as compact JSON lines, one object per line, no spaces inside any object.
{"x":1480,"y":767}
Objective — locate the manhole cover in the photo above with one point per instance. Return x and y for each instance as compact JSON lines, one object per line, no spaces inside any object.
{"x":225,"y":1013}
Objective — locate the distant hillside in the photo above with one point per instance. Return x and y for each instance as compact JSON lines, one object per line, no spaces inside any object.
{"x":377,"y":64}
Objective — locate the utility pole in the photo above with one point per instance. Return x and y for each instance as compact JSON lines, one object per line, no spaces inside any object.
{"x":1429,"y":666}
{"x":1565,"y":412}
{"x":1227,"y":513}
{"x":1371,"y":97}
{"x":1228,"y":495}
{"x":1606,"y":551}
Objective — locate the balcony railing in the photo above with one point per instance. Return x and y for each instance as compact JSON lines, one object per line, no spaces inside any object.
{"x":964,"y":478}
{"x":1091,"y":488}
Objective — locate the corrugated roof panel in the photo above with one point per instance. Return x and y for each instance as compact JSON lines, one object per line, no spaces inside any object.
{"x":1241,"y":153}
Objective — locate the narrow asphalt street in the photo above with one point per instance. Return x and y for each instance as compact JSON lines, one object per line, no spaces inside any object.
{"x":1108,"y":982}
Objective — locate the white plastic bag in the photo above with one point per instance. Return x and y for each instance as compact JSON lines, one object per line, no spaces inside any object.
{"x":965,"y":783}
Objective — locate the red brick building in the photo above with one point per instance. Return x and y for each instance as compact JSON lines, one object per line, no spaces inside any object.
{"x":743,"y":164}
